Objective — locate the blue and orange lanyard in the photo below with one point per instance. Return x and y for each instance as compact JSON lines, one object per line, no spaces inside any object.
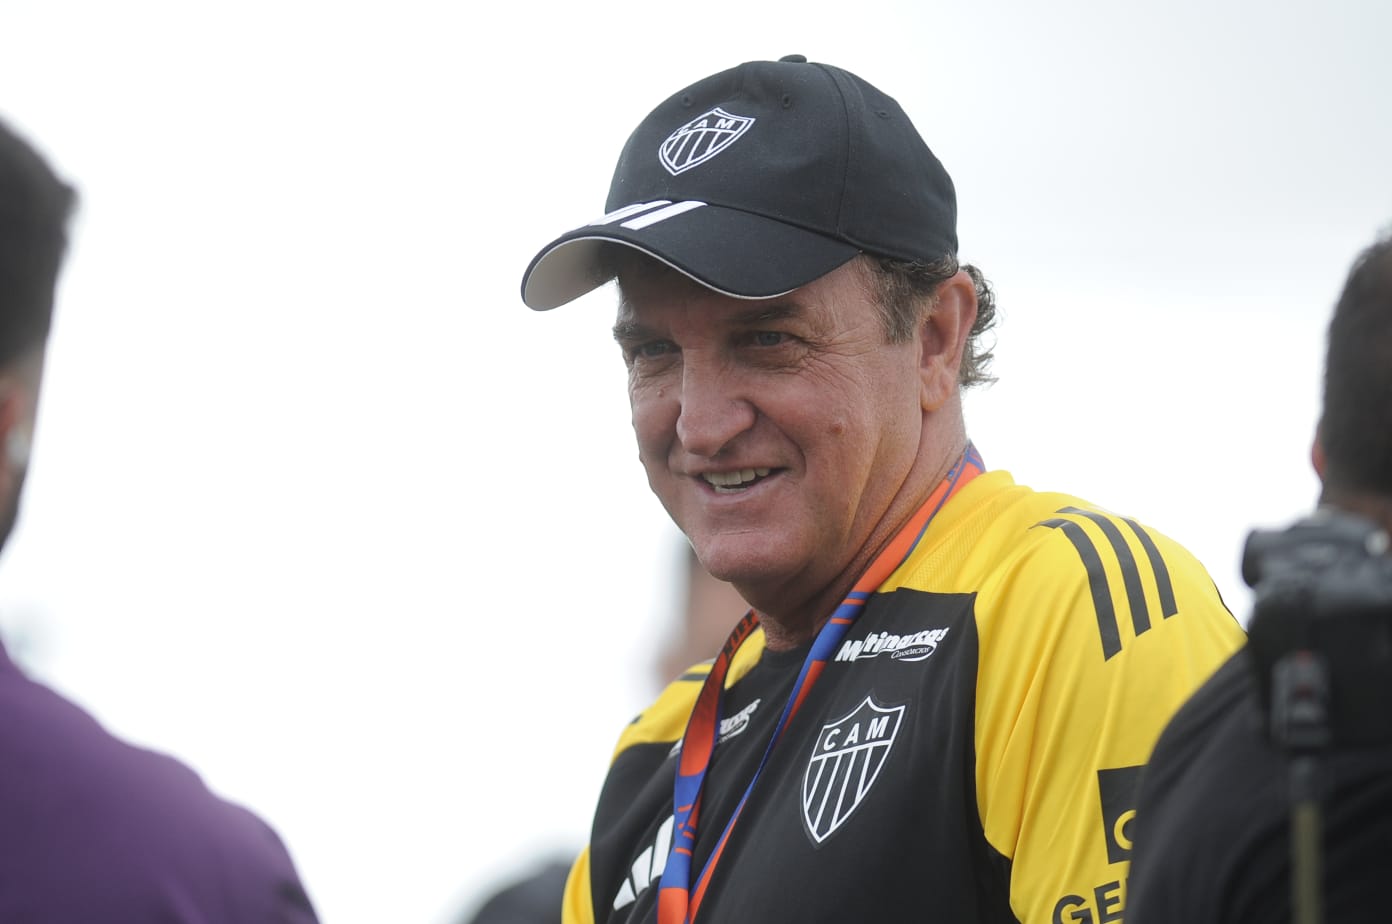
{"x":677,"y":901}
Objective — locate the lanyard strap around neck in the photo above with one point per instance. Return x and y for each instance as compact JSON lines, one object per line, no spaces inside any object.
{"x":677,"y":901}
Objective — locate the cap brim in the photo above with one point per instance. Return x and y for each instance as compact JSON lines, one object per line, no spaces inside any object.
{"x":731,"y":252}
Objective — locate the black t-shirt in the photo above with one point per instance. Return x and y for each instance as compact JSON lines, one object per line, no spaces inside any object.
{"x":1212,"y":832}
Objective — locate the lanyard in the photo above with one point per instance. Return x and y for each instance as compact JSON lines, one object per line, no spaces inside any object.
{"x":677,"y":901}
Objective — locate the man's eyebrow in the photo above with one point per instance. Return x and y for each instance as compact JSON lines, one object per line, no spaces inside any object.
{"x":626,"y":330}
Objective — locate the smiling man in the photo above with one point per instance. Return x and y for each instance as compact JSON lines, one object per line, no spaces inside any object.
{"x":948,"y":683}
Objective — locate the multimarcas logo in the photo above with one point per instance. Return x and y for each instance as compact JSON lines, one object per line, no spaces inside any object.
{"x":915,"y":647}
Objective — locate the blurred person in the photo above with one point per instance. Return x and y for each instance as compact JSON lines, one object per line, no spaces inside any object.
{"x":1269,"y":796}
{"x":93,"y":829}
{"x":939,"y":704}
{"x":708,"y":608}
{"x":533,"y":897}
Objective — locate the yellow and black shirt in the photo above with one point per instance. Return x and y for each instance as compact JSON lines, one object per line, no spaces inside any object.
{"x":969,"y":752}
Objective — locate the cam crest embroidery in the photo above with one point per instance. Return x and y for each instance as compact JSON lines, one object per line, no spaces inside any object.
{"x":845,"y":761}
{"x":701,"y":139}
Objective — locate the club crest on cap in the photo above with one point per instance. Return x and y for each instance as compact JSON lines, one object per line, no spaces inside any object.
{"x":701,"y":139}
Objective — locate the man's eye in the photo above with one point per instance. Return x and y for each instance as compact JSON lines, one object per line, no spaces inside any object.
{"x":653,"y":349}
{"x":768,"y":338}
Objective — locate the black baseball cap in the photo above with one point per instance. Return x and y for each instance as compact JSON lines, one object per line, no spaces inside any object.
{"x":759,"y":179}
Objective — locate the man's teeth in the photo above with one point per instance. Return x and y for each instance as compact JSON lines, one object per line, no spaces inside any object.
{"x":734,"y":479}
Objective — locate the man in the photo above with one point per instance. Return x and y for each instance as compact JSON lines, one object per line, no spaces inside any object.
{"x":948,"y":682}
{"x":91,"y":828}
{"x":1220,"y":814}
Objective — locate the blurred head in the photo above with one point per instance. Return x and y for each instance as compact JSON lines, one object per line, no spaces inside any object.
{"x":34,"y":211}
{"x":709,"y":610}
{"x":1353,"y":444}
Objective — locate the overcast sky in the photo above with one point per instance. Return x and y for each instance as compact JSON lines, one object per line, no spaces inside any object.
{"x":320,"y":507}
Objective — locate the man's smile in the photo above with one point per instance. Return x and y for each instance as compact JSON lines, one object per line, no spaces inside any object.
{"x":734,"y":481}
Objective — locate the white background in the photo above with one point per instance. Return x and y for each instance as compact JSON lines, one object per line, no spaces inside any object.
{"x":320,"y":507}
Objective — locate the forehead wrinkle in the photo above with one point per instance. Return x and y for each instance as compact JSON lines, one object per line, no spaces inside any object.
{"x":726,"y":311}
{"x":763,"y":314}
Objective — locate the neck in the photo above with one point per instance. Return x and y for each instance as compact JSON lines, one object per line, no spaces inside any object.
{"x":791,"y":616}
{"x":1376,"y":507}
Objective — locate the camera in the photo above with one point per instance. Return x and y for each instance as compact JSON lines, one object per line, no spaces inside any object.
{"x":1320,"y":636}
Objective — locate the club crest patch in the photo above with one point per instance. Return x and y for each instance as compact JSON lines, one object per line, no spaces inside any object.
{"x":701,"y":139}
{"x":845,"y":762}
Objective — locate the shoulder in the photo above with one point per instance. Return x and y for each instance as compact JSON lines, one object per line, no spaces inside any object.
{"x":150,"y":831}
{"x":534,"y":897}
{"x":996,"y":531}
{"x":1044,"y":563}
{"x":1062,"y":538}
{"x":1092,"y":628}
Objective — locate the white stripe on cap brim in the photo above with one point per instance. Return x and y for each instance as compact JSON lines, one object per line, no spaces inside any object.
{"x":710,"y":244}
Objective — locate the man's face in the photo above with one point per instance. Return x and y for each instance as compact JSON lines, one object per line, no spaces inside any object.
{"x":776,"y":432}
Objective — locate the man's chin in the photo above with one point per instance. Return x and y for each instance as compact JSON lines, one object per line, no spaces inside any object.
{"x":743,"y":561}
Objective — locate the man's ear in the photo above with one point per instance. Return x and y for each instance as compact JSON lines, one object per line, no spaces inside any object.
{"x":19,"y":406}
{"x":1317,"y":458}
{"x":14,"y":434}
{"x":944,"y":336}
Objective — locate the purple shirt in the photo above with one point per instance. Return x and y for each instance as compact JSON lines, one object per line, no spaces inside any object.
{"x":93,"y":829}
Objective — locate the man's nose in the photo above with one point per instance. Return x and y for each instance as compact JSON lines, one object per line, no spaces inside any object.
{"x":714,"y":410}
